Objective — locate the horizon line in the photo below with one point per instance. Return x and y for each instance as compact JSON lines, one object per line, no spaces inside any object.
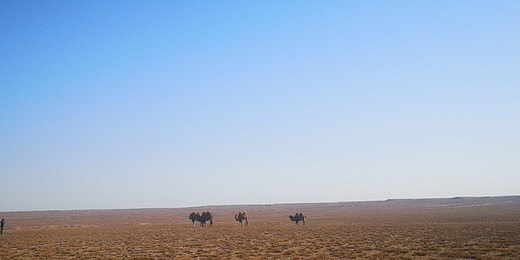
{"x":258,"y":204}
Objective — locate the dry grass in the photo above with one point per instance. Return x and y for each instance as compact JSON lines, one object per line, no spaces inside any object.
{"x":342,"y":234}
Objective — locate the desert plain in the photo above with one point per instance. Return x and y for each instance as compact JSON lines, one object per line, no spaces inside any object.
{"x":452,"y":228}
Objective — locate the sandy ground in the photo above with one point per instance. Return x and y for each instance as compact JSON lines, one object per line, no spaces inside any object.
{"x":462,"y":228}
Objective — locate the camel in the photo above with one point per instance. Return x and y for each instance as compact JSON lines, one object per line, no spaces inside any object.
{"x":205,"y":217}
{"x":297,"y":218}
{"x":194,"y":217}
{"x":202,"y":218}
{"x":241,"y":216}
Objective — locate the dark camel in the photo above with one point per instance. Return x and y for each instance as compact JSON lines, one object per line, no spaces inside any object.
{"x":297,"y":218}
{"x":206,"y":216}
{"x":241,"y":216}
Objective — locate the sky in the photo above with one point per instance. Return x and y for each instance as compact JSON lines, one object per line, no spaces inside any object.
{"x":165,"y":104}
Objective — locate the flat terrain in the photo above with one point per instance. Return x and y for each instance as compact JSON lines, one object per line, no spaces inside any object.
{"x":457,"y":228}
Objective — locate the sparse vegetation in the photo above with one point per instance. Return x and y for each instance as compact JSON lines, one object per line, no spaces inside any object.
{"x":335,"y":232}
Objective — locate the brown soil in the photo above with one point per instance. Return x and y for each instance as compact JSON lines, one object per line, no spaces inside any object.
{"x":400,"y":229}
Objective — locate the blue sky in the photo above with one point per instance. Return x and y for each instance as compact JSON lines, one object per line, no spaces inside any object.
{"x":129,"y":104}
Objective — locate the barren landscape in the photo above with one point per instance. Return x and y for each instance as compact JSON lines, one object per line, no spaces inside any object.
{"x":455,"y":228}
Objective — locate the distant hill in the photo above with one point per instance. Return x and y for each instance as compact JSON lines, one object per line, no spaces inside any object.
{"x":457,"y":209}
{"x":459,"y":201}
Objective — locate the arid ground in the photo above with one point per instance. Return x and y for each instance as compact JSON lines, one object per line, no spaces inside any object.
{"x":457,"y":228}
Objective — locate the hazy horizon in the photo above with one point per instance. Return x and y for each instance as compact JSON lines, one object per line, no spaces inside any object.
{"x":129,"y":104}
{"x":245,"y":205}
